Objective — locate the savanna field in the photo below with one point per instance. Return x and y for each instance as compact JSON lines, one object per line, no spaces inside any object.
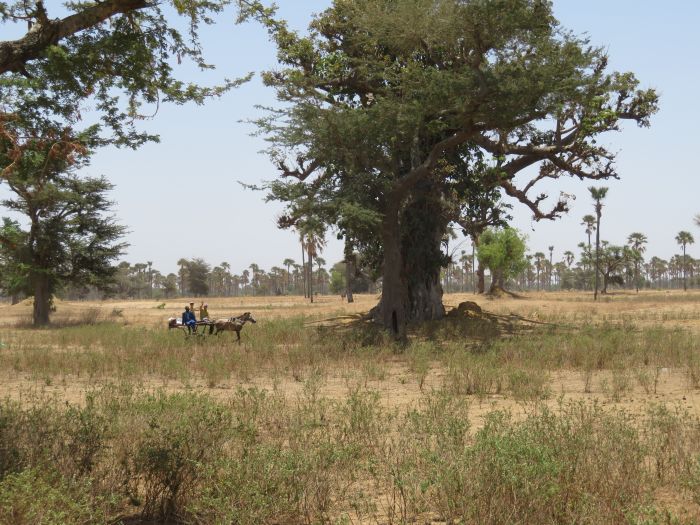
{"x":547,"y":408}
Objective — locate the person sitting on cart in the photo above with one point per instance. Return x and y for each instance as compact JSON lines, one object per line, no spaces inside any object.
{"x":189,"y":320}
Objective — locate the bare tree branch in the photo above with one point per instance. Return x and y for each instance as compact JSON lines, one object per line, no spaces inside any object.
{"x":302,"y":172}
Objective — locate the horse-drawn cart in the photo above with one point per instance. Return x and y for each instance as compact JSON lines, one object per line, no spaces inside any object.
{"x":216,"y":326}
{"x":176,"y":323}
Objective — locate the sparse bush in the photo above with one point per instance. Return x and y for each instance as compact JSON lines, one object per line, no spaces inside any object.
{"x":89,"y":316}
{"x":469,"y":374}
{"x":419,"y":361}
{"x":529,"y":384}
{"x":581,"y":465}
{"x":36,"y":497}
{"x":168,"y":441}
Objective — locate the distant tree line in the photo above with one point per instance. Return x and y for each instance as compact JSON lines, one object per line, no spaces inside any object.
{"x":197,"y":278}
{"x":621,"y":265}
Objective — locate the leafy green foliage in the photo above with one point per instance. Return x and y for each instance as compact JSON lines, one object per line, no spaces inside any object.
{"x":68,"y":238}
{"x":502,"y":252}
{"x":380,"y":94}
{"x":118,"y":58}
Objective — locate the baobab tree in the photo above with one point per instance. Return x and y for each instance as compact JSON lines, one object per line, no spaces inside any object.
{"x":684,"y":238}
{"x":637,"y":242}
{"x":598,"y":195}
{"x":380,"y":96}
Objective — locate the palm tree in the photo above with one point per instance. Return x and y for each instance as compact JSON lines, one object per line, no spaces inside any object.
{"x":182,"y":274}
{"x":657,"y":269}
{"x":637,"y":242}
{"x":551,"y":251}
{"x":539,"y":260}
{"x":569,"y":258}
{"x":320,"y":262}
{"x":255,"y":277}
{"x":598,"y":195}
{"x":315,"y":242}
{"x":245,"y":279}
{"x":288,"y":262}
{"x":227,"y":277}
{"x":467,"y":262}
{"x":303,"y":259}
{"x":150,"y":278}
{"x":684,"y":238}
{"x":589,"y":222}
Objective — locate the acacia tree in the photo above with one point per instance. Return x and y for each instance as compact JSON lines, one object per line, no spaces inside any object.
{"x":477,"y":205}
{"x":598,"y":195}
{"x":612,"y":261}
{"x":503,"y":253}
{"x":637,"y":242}
{"x":683,"y":239}
{"x":385,"y":91}
{"x":114,"y":57}
{"x":69,"y":239}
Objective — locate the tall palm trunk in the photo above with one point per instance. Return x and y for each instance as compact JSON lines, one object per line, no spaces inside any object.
{"x":597,"y":250}
{"x":310,"y":272}
{"x":303,"y":266}
{"x":685,"y":282}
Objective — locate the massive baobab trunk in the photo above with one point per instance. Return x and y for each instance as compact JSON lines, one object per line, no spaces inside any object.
{"x":411,"y":290}
{"x":497,"y":282}
{"x":349,"y":270}
{"x":481,"y":279}
{"x":423,"y":227}
{"x":42,"y":299}
{"x":392,"y":308}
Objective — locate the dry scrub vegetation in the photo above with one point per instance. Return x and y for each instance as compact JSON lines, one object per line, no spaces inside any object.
{"x":548,"y":409}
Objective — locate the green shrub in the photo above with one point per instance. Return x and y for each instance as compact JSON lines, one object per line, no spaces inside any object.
{"x":35,"y":497}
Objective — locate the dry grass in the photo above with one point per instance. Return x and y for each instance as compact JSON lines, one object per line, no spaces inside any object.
{"x":489,"y":410}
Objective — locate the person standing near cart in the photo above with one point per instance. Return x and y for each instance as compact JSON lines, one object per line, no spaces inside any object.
{"x":203,"y":311}
{"x":204,"y":315}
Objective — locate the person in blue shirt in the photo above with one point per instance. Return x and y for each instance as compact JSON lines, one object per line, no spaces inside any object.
{"x":189,"y":320}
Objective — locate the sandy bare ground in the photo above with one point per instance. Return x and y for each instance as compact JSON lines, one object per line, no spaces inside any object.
{"x":397,"y":385}
{"x":658,"y":307}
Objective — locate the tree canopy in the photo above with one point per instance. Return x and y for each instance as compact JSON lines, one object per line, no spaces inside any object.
{"x":380,"y":93}
{"x":82,"y":76}
{"x":69,"y":238}
{"x":118,"y":56}
{"x":503,"y":253}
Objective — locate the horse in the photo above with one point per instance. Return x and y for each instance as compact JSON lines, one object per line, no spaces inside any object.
{"x":234,"y":324}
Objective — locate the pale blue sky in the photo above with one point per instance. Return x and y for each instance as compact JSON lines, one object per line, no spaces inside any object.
{"x":181,"y":198}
